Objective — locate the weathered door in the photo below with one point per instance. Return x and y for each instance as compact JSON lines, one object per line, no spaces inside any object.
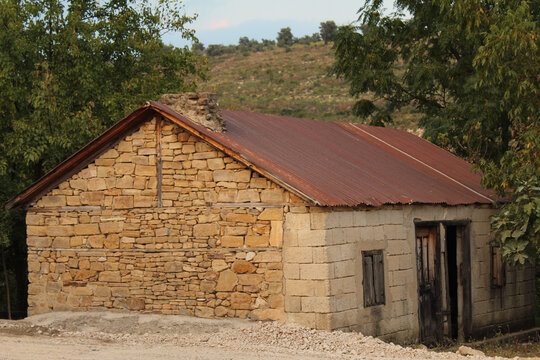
{"x":429,"y":292}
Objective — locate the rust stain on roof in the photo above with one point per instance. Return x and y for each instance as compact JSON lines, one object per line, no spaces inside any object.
{"x":326,"y":163}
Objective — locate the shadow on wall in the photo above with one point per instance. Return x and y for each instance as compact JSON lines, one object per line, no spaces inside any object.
{"x":537,"y":299}
{"x":17,"y":272}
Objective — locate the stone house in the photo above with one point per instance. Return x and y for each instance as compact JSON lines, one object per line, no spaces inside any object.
{"x":181,"y":208}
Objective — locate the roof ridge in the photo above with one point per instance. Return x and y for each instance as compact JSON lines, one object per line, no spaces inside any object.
{"x":423,"y":163}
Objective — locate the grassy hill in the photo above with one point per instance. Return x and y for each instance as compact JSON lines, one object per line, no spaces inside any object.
{"x":294,"y":82}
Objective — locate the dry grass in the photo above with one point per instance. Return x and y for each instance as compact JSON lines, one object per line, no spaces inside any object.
{"x":511,"y":348}
{"x":294,"y":83}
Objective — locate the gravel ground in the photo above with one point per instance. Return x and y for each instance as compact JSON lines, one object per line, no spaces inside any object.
{"x":107,"y":335}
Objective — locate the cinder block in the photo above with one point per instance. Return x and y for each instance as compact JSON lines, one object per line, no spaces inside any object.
{"x":290,"y":237}
{"x":297,"y":221}
{"x":394,"y":232}
{"x":318,"y":288}
{"x":398,"y":247}
{"x":372,"y":218}
{"x":398,"y":293}
{"x":299,"y":255}
{"x":337,"y":286}
{"x":304,"y":319}
{"x":481,"y":228}
{"x":345,"y":302}
{"x":428,"y":212}
{"x":391,"y":217}
{"x":311,"y":237}
{"x":482,"y":214}
{"x":344,"y":319}
{"x":351,"y":235}
{"x":316,"y":304}
{"x":345,"y":219}
{"x":401,"y":277}
{"x":335,"y":236}
{"x":337,"y":252}
{"x":399,"y":308}
{"x":344,"y":268}
{"x":293,"y":304}
{"x":291,"y":271}
{"x":319,"y":255}
{"x":359,"y":218}
{"x":366,"y":245}
{"x":318,"y":220}
{"x":324,"y":321}
{"x":332,"y":220}
{"x":316,"y":271}
{"x":395,"y":324}
{"x":349,"y":284}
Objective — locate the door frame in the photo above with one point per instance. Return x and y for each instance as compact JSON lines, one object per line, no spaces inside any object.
{"x":464,"y":271}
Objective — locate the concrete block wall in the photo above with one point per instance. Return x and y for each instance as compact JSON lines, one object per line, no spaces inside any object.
{"x":498,"y":309}
{"x":365,"y":230}
{"x":322,"y":263}
{"x":323,"y":275}
{"x":306,"y":270}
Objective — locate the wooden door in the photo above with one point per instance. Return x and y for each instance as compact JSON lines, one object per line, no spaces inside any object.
{"x":429,"y":291}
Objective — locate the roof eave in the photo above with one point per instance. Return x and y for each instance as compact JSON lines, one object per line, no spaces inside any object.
{"x":91,"y":150}
{"x":80,"y":158}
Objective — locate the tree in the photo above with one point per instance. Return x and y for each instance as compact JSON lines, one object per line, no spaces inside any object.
{"x":268,"y":43}
{"x":70,"y":69}
{"x":197,"y":47}
{"x":328,"y":30}
{"x":470,"y":67}
{"x":309,"y":39}
{"x":285,"y":37}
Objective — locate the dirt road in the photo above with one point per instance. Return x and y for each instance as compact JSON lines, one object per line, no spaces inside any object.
{"x":106,"y":335}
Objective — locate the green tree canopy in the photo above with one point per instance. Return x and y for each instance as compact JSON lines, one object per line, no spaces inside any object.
{"x":285,"y":37}
{"x":470,"y":67}
{"x":69,"y":69}
{"x":328,"y":31}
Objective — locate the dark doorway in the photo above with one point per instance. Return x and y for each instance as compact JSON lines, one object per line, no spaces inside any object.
{"x":452,"y":278}
{"x":443,"y":261}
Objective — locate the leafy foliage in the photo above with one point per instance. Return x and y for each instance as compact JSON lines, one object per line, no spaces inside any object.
{"x":245,"y":45}
{"x":285,"y":37}
{"x":328,"y":31}
{"x":471,"y":70}
{"x":70,"y":69}
{"x":518,"y":222}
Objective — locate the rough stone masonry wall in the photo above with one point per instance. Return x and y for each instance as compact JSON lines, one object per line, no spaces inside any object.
{"x":323,"y":272}
{"x":99,"y":239}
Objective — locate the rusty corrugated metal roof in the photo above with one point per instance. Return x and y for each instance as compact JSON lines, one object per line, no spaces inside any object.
{"x":329,"y":164}
{"x":337,"y":164}
{"x":340,"y":164}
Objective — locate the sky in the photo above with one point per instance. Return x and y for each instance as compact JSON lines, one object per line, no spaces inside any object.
{"x":225,"y":21}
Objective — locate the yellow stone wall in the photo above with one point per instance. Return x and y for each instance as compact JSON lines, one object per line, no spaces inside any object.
{"x":213,"y":248}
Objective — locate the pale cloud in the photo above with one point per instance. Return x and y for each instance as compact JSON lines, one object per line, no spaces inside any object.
{"x":224,"y":21}
{"x":217,"y":24}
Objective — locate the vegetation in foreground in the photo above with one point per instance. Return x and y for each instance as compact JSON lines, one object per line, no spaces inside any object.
{"x":69,"y":70}
{"x":471,"y":70}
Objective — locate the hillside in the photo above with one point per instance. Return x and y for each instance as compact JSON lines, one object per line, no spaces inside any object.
{"x":281,"y":82}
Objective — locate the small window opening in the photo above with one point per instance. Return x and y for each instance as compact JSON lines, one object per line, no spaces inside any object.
{"x":373,"y":267}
